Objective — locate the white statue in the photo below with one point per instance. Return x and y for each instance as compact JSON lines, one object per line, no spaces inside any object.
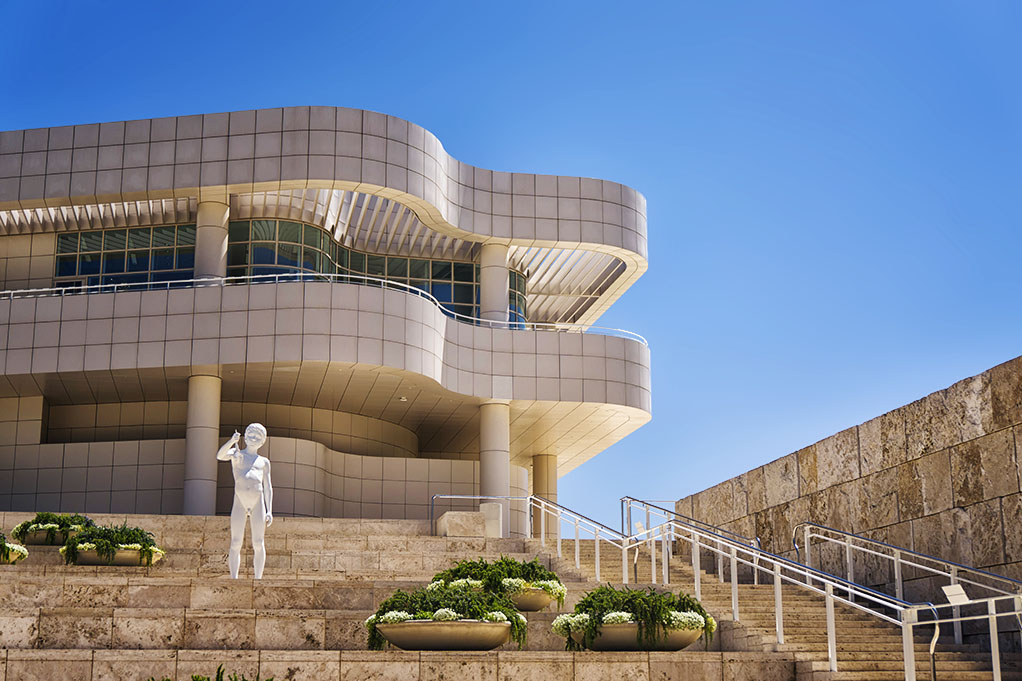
{"x":253,"y":495}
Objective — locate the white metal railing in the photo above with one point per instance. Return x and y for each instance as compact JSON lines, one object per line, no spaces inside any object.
{"x":901,"y":561}
{"x":309,"y":276}
{"x":734,"y":551}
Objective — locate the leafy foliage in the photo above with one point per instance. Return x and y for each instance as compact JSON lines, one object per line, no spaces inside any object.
{"x":107,"y":541}
{"x":493,"y":574}
{"x":55,"y":524}
{"x":467,"y":603}
{"x":219,"y":676}
{"x":7,"y":549}
{"x":650,"y":609}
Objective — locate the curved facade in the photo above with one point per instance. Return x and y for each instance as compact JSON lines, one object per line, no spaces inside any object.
{"x":332,"y":273}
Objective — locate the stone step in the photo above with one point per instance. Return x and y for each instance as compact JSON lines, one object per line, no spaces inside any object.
{"x":139,"y":665}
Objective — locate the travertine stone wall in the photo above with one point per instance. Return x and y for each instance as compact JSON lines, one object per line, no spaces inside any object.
{"x":940,"y":475}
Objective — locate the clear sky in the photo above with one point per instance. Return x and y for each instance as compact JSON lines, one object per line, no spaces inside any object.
{"x":833,"y":187}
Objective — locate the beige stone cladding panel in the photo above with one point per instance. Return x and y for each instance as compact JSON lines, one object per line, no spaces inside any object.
{"x":295,"y":322}
{"x":27,"y":260}
{"x":941,"y":475}
{"x":212,"y":155}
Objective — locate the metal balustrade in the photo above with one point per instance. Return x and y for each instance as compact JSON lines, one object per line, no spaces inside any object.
{"x":311,"y":277}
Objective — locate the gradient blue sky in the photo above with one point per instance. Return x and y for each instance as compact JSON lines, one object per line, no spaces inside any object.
{"x":833,"y":187}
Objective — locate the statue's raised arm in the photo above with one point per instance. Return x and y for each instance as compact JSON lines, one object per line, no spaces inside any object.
{"x":225,"y":453}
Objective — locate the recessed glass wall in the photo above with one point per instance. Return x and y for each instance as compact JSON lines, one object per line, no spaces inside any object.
{"x":261,"y":247}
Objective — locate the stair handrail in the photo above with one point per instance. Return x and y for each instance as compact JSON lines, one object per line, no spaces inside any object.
{"x":626,"y":510}
{"x":951,"y":570}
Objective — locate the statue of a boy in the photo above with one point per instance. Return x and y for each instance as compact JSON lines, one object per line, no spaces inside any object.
{"x":253,"y":495}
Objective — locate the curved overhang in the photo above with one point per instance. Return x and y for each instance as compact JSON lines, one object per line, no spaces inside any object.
{"x":382,"y":353}
{"x":378,"y":182}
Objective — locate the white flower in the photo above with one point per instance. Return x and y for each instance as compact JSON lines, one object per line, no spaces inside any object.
{"x":433,"y":586}
{"x":445,"y":615}
{"x":394,"y":616}
{"x":495,"y":616}
{"x":552,"y":587}
{"x":562,"y":625}
{"x":466,"y":583}
{"x":369,"y":620}
{"x":513,"y":584}
{"x":521,"y":618}
{"x":617,"y":617}
{"x":690,"y":621}
{"x":17,"y":552}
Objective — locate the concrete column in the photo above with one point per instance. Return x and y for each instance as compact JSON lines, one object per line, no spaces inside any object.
{"x":493,"y":282}
{"x":211,"y":240}
{"x":544,"y":484}
{"x":202,"y":434}
{"x":495,"y":455}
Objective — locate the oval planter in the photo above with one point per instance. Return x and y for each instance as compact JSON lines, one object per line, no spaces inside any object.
{"x":531,"y":599}
{"x":121,"y":557}
{"x":12,"y":558}
{"x":625,"y":636}
{"x":38,"y":538}
{"x":459,"y":635}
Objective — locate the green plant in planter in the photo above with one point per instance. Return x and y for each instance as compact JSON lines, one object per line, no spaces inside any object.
{"x":653,"y":612}
{"x":219,"y":676}
{"x":444,"y":603}
{"x":56,"y":525}
{"x":506,"y":576}
{"x":107,"y":541}
{"x":11,"y":553}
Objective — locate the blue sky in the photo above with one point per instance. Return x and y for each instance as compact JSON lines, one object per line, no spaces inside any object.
{"x":832,"y":187}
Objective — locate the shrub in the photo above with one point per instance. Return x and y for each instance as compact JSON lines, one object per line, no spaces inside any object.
{"x":106,"y":541}
{"x":7,"y":550}
{"x":445,"y":603}
{"x":506,"y":576}
{"x":219,"y":676}
{"x":56,"y":525}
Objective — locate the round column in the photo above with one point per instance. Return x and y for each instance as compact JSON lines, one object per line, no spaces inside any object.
{"x":495,"y":456}
{"x":211,"y":240}
{"x":544,"y":484}
{"x":202,"y":434}
{"x":493,"y":282}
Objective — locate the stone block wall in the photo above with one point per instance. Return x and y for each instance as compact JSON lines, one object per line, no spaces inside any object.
{"x":940,"y":475}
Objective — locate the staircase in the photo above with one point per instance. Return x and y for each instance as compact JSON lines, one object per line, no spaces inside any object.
{"x":868,"y":649}
{"x":303,"y":620}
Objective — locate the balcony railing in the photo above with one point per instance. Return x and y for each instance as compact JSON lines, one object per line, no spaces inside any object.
{"x":356,"y":279}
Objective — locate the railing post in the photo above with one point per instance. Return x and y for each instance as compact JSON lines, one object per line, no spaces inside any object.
{"x":849,"y":567}
{"x":899,"y":587}
{"x":778,"y":605}
{"x":755,"y":569}
{"x":624,"y":560}
{"x":831,"y":633}
{"x":956,"y":610}
{"x":807,"y":559}
{"x":542,"y":525}
{"x":578,"y":562}
{"x":908,"y":644}
{"x":696,"y":572}
{"x":665,"y":568}
{"x":559,"y":555}
{"x":734,"y":584}
{"x":596,"y":546}
{"x":720,"y":562}
{"x":995,"y":645}
{"x":651,"y":543}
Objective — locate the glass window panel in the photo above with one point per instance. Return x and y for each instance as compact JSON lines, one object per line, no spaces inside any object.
{"x":312,"y":236}
{"x":463,"y":293}
{"x":237,"y":231}
{"x":466,"y":310}
{"x":138,"y":261}
{"x":92,"y":241}
{"x":290,"y":232}
{"x":67,"y":243}
{"x":264,"y":253}
{"x":237,"y":254}
{"x":376,"y":265}
{"x":418,"y":269}
{"x":420,"y":283}
{"x":323,"y":264}
{"x":163,"y":259}
{"x":463,"y":272}
{"x":309,"y":260}
{"x":237,"y":271}
{"x":186,"y":235}
{"x":477,"y":294}
{"x":67,"y":265}
{"x":341,"y":258}
{"x":288,"y":254}
{"x":114,"y":239}
{"x":325,"y":241}
{"x":441,"y":270}
{"x":185,"y":258}
{"x":357,"y":261}
{"x":264,"y":230}
{"x":113,"y":263}
{"x":397,"y":267}
{"x":441,"y":292}
{"x":140,"y":237}
{"x":163,"y":236}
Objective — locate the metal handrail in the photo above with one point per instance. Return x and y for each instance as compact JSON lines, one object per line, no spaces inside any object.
{"x":626,"y":509}
{"x":310,"y":276}
{"x":901,"y":551}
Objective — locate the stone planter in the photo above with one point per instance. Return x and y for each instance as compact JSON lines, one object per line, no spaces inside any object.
{"x":121,"y":557}
{"x":12,"y":558}
{"x":531,"y":599}
{"x":459,"y":635}
{"x":38,"y":538}
{"x":626,"y":637}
